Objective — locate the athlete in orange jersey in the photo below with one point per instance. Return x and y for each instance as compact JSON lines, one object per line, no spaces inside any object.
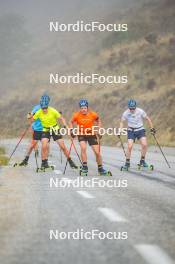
{"x":85,"y":120}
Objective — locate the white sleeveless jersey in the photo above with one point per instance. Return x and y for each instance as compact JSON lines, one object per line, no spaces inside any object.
{"x":135,"y":120}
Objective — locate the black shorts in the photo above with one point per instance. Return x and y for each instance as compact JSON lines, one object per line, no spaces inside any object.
{"x":54,"y":135}
{"x":136,"y":134}
{"x":37,"y":135}
{"x":92,"y":140}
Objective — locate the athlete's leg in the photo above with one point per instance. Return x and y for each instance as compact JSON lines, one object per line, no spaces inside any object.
{"x":35,"y":145}
{"x":129,"y":148}
{"x":63,"y":147}
{"x":143,"y":142}
{"x":45,"y":148}
{"x":83,"y":146}
{"x":32,"y":146}
{"x":96,"y":151}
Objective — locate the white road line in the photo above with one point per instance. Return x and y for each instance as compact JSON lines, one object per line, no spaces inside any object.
{"x":112,"y":215}
{"x":85,"y":194}
{"x":153,"y":254}
{"x":58,"y":172}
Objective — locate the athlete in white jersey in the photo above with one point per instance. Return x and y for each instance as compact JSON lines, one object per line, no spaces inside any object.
{"x":134,"y":117}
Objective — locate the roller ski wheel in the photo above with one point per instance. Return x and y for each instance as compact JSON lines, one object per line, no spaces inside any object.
{"x":83,"y":172}
{"x":73,"y":165}
{"x":151,"y":167}
{"x":104,"y":173}
{"x":22,"y":164}
{"x":146,"y":167}
{"x":45,"y":169}
{"x":125,"y":167}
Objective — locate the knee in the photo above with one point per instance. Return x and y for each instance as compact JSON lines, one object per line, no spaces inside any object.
{"x":63,"y":147}
{"x":97,"y":154}
{"x":83,"y":150}
{"x":144,"y":145}
{"x":44,"y":147}
{"x":129,"y":147}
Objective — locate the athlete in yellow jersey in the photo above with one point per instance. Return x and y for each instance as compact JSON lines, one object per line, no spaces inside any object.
{"x":50,"y":119}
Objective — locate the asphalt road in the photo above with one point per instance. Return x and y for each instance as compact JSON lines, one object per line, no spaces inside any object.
{"x":139,"y":210}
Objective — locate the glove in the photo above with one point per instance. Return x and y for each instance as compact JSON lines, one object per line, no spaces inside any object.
{"x":119,"y":133}
{"x":99,"y":136}
{"x":29,"y":115}
{"x":153,"y":131}
{"x":72,"y":134}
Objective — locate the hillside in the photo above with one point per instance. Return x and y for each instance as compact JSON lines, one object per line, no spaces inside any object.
{"x":146,"y":54}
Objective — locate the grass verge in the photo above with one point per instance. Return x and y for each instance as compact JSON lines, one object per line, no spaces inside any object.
{"x":3,"y":158}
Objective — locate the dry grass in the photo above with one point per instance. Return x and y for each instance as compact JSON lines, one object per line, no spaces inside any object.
{"x":3,"y":158}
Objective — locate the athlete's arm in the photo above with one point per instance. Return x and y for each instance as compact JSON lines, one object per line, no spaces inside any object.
{"x":149,"y":121}
{"x":121,"y":124}
{"x":62,"y":121}
{"x":73,"y":122}
{"x":98,"y":122}
{"x":152,"y":129}
{"x":30,"y":119}
{"x":122,"y":120}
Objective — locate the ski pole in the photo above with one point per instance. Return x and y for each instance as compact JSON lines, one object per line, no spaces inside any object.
{"x":36,"y":159}
{"x":61,"y":156}
{"x":76,"y":152}
{"x":161,"y":150}
{"x":122,"y":145}
{"x":99,"y":143}
{"x":23,"y":135}
{"x":68,"y":158}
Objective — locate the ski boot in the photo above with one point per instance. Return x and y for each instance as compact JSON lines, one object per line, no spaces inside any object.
{"x":72,"y":164}
{"x":45,"y":167}
{"x":24,"y":163}
{"x":103,"y":172}
{"x":125,"y":167}
{"x":83,"y":171}
{"x":144,"y":165}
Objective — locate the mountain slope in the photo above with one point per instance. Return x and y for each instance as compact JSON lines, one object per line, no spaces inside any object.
{"x":146,"y":53}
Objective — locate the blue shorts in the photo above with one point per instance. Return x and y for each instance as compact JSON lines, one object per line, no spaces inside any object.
{"x":136,"y":134}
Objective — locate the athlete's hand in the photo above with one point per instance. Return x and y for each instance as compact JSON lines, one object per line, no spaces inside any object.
{"x":119,"y":133}
{"x":29,"y":115}
{"x":72,"y":134}
{"x":153,"y":131}
{"x":99,"y":136}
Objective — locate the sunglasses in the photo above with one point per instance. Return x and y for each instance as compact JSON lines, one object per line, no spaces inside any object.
{"x":133,"y":108}
{"x":44,"y":108}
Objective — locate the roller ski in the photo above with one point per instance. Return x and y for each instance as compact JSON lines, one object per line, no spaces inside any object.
{"x":145,"y":166}
{"x":24,"y":163}
{"x":45,"y":167}
{"x":72,"y":164}
{"x":83,"y":171}
{"x":125,"y":167}
{"x":103,"y":172}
